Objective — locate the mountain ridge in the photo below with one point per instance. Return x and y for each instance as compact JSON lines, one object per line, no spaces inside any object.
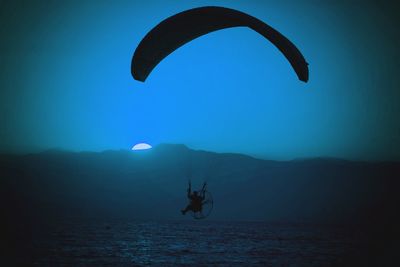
{"x":151,"y":184}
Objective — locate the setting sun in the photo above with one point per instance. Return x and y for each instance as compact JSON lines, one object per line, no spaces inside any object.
{"x":141,"y":146}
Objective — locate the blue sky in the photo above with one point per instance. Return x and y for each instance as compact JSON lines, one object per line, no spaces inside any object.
{"x":66,"y":80}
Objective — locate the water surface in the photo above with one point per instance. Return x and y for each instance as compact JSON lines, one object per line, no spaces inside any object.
{"x":198,"y":243}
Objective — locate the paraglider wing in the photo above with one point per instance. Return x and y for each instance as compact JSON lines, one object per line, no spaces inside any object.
{"x":183,"y":27}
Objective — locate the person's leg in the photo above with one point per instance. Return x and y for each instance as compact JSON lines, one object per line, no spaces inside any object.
{"x":188,"y":207}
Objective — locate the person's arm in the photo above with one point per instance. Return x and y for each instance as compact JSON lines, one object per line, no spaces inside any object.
{"x":204,"y":187}
{"x":203,"y":191}
{"x":189,"y":191}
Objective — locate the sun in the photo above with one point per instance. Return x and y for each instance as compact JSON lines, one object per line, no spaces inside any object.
{"x":141,"y":146}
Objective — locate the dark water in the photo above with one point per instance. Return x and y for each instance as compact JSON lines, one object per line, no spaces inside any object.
{"x":198,"y":243}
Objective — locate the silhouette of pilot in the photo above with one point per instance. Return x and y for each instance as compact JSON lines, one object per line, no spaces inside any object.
{"x":196,"y":199}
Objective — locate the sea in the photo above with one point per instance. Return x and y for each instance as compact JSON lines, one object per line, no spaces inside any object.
{"x":193,"y":243}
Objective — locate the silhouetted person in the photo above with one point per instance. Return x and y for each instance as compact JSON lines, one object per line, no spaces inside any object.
{"x":196,"y":199}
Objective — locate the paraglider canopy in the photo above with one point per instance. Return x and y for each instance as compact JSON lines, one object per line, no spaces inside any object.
{"x":183,"y":27}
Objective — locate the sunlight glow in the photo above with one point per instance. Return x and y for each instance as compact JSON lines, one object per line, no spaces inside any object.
{"x":141,"y":146}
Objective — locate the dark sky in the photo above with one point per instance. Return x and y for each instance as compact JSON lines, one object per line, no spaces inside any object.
{"x":65,"y":80}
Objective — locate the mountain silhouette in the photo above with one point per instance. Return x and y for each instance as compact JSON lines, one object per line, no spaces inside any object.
{"x":151,"y":184}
